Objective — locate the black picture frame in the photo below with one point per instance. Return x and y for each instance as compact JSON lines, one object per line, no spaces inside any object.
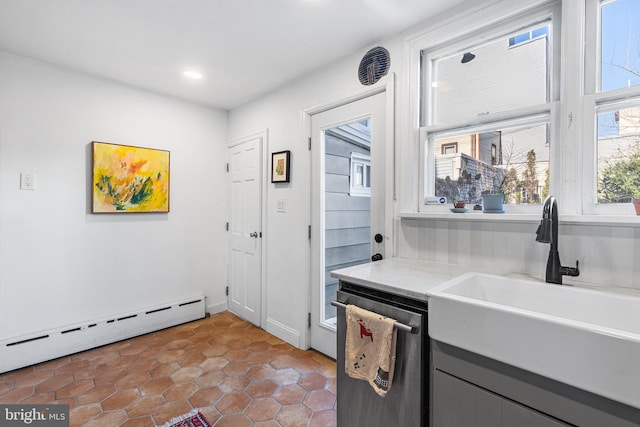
{"x":280,"y":166}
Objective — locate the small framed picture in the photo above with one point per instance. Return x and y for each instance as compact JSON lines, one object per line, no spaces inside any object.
{"x":280,"y":165}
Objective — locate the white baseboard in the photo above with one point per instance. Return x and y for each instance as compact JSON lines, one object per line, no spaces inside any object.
{"x":284,"y":332}
{"x":37,"y":347}
{"x":217,"y":308}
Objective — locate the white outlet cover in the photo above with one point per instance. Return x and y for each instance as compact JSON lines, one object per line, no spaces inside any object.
{"x":27,"y":181}
{"x":282,"y":205}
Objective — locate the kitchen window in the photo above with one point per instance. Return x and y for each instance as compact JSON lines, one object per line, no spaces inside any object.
{"x":493,"y":93}
{"x":612,"y":106}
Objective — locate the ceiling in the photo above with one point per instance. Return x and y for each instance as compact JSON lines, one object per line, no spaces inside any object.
{"x":243,"y":48}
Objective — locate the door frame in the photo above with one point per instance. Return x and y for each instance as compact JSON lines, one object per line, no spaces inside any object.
{"x":385,"y":85}
{"x":263,"y":137}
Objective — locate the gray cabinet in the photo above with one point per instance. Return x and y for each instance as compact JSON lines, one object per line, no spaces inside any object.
{"x":457,"y":403}
{"x":469,"y":390}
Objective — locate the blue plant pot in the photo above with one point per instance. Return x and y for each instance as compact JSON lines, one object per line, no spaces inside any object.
{"x":493,"y":203}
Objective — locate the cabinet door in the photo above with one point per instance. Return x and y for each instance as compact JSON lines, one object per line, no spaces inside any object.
{"x":456,"y":403}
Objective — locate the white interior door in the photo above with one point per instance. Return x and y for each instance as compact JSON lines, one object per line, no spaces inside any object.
{"x":245,"y":206}
{"x":347,"y":203}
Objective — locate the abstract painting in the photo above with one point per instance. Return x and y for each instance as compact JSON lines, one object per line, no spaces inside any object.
{"x":129,"y":179}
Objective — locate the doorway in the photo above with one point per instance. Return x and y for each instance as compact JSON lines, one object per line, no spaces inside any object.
{"x":245,"y":227}
{"x":347,"y":202}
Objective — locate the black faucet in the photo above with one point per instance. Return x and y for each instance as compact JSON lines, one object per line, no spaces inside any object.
{"x":548,"y":233}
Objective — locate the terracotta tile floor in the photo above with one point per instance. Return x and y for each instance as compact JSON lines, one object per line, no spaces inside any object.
{"x":235,"y":373}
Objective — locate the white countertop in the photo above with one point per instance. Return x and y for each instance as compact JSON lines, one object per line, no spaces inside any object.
{"x":413,"y":278}
{"x":407,"y":277}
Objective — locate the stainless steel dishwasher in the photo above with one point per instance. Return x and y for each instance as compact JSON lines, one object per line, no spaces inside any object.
{"x":407,"y":403}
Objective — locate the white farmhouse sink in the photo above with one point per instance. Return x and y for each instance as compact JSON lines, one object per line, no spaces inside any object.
{"x":588,"y":339}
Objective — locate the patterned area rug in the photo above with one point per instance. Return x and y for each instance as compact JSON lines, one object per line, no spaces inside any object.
{"x":192,"y":419}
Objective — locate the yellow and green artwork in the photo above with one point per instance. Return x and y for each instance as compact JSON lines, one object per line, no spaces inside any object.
{"x":129,"y":179}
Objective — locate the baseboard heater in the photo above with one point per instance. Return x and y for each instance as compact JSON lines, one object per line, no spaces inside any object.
{"x":26,"y":350}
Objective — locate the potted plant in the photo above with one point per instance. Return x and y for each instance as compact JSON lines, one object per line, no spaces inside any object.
{"x":493,"y":196}
{"x":458,"y":203}
{"x":493,"y":202}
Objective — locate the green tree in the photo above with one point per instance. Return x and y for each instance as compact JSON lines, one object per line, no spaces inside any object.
{"x":510,"y":186}
{"x":620,"y":180}
{"x":545,"y":189}
{"x":530,"y":178}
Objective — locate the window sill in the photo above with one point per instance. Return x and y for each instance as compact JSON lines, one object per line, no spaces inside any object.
{"x":479,"y":216}
{"x":471,"y":216}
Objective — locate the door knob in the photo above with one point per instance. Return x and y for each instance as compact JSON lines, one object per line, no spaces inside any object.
{"x":378,"y":238}
{"x":254,"y":234}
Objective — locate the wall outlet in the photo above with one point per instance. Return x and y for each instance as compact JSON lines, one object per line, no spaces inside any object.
{"x":281,"y":206}
{"x":27,"y":181}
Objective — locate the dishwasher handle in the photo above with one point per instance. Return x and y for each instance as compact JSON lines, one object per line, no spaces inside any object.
{"x":399,"y":326}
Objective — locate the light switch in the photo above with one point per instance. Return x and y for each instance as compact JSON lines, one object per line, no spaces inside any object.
{"x":282,"y":205}
{"x":27,"y":181}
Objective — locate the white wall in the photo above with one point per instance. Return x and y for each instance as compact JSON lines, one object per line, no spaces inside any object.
{"x":60,"y":264}
{"x":608,"y":253}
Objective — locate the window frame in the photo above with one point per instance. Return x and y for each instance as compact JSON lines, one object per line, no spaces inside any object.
{"x":537,"y":115}
{"x":528,"y":115}
{"x":571,"y":174}
{"x":444,"y":147}
{"x":593,"y":102}
{"x":363,"y":160}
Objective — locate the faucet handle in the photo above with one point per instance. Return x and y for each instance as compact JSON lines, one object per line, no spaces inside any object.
{"x":571,"y":271}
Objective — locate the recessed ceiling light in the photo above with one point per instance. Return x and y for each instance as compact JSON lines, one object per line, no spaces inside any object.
{"x":193,"y":74}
